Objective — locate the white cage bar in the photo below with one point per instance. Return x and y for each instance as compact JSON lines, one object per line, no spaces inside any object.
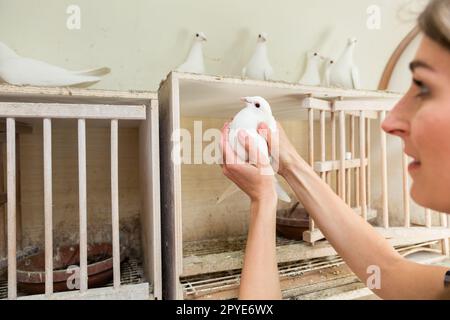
{"x":47,"y":104}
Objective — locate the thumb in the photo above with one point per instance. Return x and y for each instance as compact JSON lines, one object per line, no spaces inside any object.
{"x":266,"y":133}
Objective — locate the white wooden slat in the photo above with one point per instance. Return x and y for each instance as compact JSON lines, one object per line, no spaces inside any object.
{"x":333,"y":142}
{"x":384,"y":178}
{"x":406,"y":204}
{"x":352,"y":152}
{"x":446,"y":241}
{"x":362,"y":171}
{"x":428,"y":218}
{"x":322,"y":141}
{"x":115,"y":201}
{"x":82,"y":203}
{"x":342,"y":153}
{"x":311,"y":153}
{"x":11,"y":206}
{"x":368,"y":155}
{"x":48,"y":205}
{"x":71,"y":111}
{"x":359,"y":104}
{"x":328,"y":166}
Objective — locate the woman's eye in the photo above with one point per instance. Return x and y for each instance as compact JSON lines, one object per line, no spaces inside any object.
{"x":423,"y":89}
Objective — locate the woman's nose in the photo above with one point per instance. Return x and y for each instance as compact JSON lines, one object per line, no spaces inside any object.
{"x":397,"y":121}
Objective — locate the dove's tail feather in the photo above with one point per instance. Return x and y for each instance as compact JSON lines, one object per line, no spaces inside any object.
{"x":282,"y":195}
{"x":93,"y":72}
{"x":232,"y":189}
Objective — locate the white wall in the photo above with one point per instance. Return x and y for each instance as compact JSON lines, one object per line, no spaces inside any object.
{"x":142,"y":40}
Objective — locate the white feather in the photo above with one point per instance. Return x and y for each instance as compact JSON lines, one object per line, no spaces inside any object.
{"x":311,"y":76}
{"x":194,"y":62}
{"x":259,"y":67}
{"x":18,"y":70}
{"x":249,"y":119}
{"x":344,"y":73}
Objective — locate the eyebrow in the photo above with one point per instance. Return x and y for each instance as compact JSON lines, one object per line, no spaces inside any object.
{"x":419,"y":64}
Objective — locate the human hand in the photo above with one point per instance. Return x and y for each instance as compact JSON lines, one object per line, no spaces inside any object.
{"x":252,"y":176}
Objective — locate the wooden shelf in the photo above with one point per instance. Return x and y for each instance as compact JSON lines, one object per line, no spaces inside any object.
{"x":10,"y":93}
{"x":218,"y":97}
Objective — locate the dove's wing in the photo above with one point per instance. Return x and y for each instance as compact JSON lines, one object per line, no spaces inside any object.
{"x":232,"y":189}
{"x":25,"y":71}
{"x":282,"y":195}
{"x":93,"y":72}
{"x":355,"y":77}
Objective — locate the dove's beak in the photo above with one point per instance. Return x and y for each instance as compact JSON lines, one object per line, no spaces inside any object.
{"x":246,"y":100}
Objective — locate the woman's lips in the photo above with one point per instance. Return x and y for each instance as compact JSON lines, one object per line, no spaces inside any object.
{"x":414,"y":165}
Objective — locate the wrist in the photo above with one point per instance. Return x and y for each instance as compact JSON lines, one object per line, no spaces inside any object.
{"x":290,"y":164}
{"x":268,"y":203}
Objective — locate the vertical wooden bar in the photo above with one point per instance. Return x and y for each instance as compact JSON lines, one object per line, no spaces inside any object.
{"x":3,"y":231}
{"x":352,"y":151}
{"x":342,"y":154}
{"x":115,"y":201}
{"x":333,"y":142}
{"x":428,"y":218}
{"x":11,"y":205}
{"x":311,"y":152}
{"x":445,"y":242}
{"x":384,"y":181}
{"x":362,"y":173}
{"x":48,"y":206}
{"x":82,"y":203}
{"x":322,"y":141}
{"x":406,"y":205}
{"x":18,"y":200}
{"x":368,"y":154}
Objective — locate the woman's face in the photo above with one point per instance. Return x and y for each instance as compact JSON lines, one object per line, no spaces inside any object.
{"x":422,"y":120}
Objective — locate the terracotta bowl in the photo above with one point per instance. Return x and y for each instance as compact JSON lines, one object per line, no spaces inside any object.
{"x":31,"y":270}
{"x":291,"y":223}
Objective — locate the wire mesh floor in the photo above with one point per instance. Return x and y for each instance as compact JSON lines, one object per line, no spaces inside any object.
{"x":208,"y":284}
{"x":131,"y":272}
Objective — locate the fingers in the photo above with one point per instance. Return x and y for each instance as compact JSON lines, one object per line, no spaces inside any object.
{"x":256,"y":157}
{"x":229,"y":156}
{"x":266,"y":133}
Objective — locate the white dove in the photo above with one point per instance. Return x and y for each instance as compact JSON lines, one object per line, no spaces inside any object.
{"x":257,"y":110}
{"x":18,"y":70}
{"x":311,"y":76}
{"x":259,"y":68}
{"x":345,"y":73}
{"x":194,"y":61}
{"x":326,"y":69}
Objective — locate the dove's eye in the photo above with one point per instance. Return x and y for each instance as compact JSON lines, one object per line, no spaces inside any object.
{"x":315,"y":54}
{"x":259,"y":36}
{"x":197,"y":35}
{"x":257,"y":105}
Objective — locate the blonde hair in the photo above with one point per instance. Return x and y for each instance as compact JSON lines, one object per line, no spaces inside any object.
{"x":435,"y":22}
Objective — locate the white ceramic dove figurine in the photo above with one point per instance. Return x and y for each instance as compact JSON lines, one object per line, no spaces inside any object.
{"x":311,"y":76}
{"x":194,"y":62}
{"x":326,"y":69}
{"x":259,"y":67}
{"x":345,"y":73}
{"x":256,"y":111}
{"x":22,"y":71}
